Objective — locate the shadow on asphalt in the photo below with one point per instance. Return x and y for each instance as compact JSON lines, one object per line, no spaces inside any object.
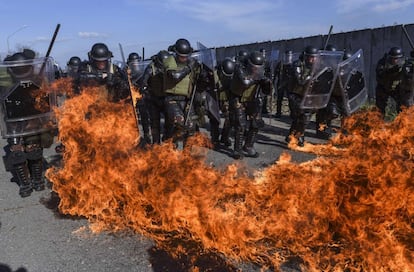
{"x":6,"y":268}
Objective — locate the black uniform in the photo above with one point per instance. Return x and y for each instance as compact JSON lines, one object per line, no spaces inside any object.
{"x":225,"y":73}
{"x":99,"y":71}
{"x":28,"y":124}
{"x":283,"y":77}
{"x":388,"y":75}
{"x":152,"y":83}
{"x":302,"y":70}
{"x":180,"y":75}
{"x":406,"y":91}
{"x":245,"y":103}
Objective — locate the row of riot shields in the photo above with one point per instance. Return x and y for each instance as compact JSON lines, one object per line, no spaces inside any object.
{"x":26,"y":103}
{"x":328,"y":68}
{"x":26,"y":107}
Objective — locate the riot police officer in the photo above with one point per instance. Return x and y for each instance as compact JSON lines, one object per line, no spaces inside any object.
{"x":180,"y":75}
{"x":282,"y":74}
{"x":28,"y":122}
{"x":335,"y":107}
{"x":206,"y":102}
{"x":325,"y":115}
{"x":133,"y":62}
{"x":406,"y":91}
{"x":152,"y":83}
{"x":388,"y":75}
{"x":246,"y":105}
{"x":100,"y":71}
{"x":72,"y":66}
{"x":135,"y":70}
{"x":225,"y":73}
{"x":302,"y":70}
{"x":242,"y":57}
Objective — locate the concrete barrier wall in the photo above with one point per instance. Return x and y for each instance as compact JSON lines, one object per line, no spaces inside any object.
{"x":374,"y":42}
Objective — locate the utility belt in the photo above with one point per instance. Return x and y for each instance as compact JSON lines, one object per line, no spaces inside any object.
{"x":176,"y":98}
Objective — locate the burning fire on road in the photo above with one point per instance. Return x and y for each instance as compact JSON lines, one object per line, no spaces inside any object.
{"x":350,"y":209}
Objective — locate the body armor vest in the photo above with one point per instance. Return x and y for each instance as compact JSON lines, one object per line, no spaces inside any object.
{"x":183,"y":87}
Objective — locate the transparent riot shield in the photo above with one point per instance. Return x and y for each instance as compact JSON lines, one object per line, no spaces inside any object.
{"x":272,"y":61}
{"x":26,"y":102}
{"x":137,"y":68}
{"x":319,"y":88}
{"x":352,"y":82}
{"x":207,"y":56}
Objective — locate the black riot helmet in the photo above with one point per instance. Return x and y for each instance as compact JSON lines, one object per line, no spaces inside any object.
{"x":311,"y":51}
{"x":227,"y":66}
{"x":256,"y":58}
{"x":395,"y":56}
{"x":183,"y":48}
{"x":242,"y":56}
{"x":100,"y":52}
{"x":73,"y":65}
{"x":309,"y":54}
{"x":160,"y":57}
{"x":18,"y":69}
{"x":255,"y":65}
{"x":395,"y":52}
{"x":133,"y":57}
{"x":330,"y":47}
{"x":74,"y":61}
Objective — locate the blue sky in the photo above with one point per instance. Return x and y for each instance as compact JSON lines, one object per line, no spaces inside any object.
{"x":155,"y":24}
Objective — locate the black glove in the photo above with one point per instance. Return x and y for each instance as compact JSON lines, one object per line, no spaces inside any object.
{"x":394,"y":69}
{"x":266,"y":85}
{"x":192,"y":63}
{"x":144,"y":90}
{"x":110,"y":81}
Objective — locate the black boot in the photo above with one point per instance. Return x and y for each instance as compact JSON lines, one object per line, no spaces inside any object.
{"x":238,"y":144}
{"x":248,"y":146}
{"x":215,"y":134}
{"x":25,"y":185}
{"x":36,"y":172}
{"x":225,"y":135}
{"x":323,"y":130}
{"x":299,"y":137}
{"x":156,"y":135}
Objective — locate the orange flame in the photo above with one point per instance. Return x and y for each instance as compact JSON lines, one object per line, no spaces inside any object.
{"x":350,"y":209}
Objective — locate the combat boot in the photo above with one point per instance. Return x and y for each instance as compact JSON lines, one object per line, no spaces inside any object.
{"x":324,"y":134}
{"x":25,"y":186}
{"x":225,"y":135}
{"x":299,"y":138}
{"x":36,"y":172}
{"x":248,"y":146}
{"x":238,"y":144}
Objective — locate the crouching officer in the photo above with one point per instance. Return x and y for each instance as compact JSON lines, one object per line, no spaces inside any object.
{"x":245,"y":103}
{"x":27,"y":119}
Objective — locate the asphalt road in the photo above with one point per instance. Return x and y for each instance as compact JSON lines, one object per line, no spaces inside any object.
{"x":35,"y":237}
